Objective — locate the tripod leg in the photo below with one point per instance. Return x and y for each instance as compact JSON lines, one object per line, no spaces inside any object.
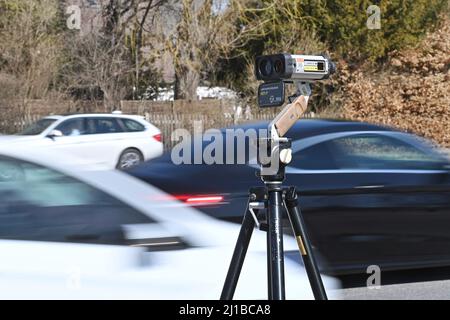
{"x":240,"y":250}
{"x":275,"y":250}
{"x":269,"y":268}
{"x":299,"y":228}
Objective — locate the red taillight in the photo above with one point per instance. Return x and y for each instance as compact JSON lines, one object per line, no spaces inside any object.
{"x":194,"y":200}
{"x":198,"y":200}
{"x":158,"y":137}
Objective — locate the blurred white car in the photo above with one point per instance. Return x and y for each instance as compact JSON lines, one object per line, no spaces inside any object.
{"x":69,"y":234}
{"x":112,"y":140}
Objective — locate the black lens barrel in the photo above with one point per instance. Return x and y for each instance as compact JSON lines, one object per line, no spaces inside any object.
{"x":265,"y":67}
{"x":270,"y":67}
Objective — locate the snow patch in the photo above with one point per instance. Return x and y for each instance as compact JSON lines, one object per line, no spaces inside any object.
{"x":203,"y":92}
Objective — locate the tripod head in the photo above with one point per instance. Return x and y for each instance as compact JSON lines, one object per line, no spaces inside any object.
{"x":278,"y":147}
{"x":277,"y":70}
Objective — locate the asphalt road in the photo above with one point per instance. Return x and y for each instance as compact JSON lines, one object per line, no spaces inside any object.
{"x":422,"y":284}
{"x":431,"y":290}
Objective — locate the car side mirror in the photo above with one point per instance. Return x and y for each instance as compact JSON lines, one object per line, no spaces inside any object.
{"x":54,"y":134}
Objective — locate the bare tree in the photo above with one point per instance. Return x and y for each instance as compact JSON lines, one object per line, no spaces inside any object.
{"x":96,"y":62}
{"x":31,"y":44}
{"x":99,"y":60}
{"x":196,"y":43}
{"x":30,"y":55}
{"x":206,"y":32}
{"x":143,"y":32}
{"x":111,"y":56}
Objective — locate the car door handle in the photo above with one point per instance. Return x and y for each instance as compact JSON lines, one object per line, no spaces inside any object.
{"x":370,"y":186}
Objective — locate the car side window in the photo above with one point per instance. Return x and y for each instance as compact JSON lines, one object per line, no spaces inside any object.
{"x":372,"y":151}
{"x":72,"y":127}
{"x":315,"y":157}
{"x":38,"y":203}
{"x":132,"y":126}
{"x":103,"y":125}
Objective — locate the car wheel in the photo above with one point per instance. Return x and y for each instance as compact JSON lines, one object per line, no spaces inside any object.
{"x":129,"y":158}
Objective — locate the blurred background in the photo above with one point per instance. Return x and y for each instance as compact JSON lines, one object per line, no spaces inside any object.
{"x":179,"y":61}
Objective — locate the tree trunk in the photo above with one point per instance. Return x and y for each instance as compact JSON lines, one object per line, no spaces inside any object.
{"x":186,"y":84}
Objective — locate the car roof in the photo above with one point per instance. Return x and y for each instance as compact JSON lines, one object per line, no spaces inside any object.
{"x":103,"y":115}
{"x":304,"y":128}
{"x":55,"y":117}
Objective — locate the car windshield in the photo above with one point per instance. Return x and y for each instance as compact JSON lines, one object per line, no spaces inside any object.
{"x":37,"y":127}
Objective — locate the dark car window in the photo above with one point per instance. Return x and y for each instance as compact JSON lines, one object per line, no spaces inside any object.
{"x":316,"y":157}
{"x":372,"y":151}
{"x":38,"y":127}
{"x":132,"y":126}
{"x":103,"y":125}
{"x":72,"y":127}
{"x":37,"y":203}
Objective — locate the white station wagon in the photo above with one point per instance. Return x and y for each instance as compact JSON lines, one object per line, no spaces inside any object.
{"x":109,"y":140}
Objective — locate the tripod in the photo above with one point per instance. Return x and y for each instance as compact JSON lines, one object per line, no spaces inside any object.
{"x":274,"y":197}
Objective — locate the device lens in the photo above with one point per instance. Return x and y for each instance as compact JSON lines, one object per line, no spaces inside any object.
{"x":279,"y":66}
{"x":265,"y":67}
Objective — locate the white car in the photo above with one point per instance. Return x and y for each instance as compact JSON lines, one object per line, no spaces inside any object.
{"x":68,"y":234}
{"x":111,"y":140}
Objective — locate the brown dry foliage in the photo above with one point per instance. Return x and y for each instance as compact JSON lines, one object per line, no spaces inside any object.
{"x":411,"y":93}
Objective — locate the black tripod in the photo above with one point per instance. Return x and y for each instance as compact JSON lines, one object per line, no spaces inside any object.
{"x":273,"y":197}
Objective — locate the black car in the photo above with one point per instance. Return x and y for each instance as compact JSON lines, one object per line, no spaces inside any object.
{"x":370,"y":195}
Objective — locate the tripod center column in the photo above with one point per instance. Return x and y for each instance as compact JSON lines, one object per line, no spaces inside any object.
{"x":276,"y":253}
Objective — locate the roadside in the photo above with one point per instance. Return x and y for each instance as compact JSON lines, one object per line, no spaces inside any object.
{"x":432,"y":290}
{"x":414,"y":284}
